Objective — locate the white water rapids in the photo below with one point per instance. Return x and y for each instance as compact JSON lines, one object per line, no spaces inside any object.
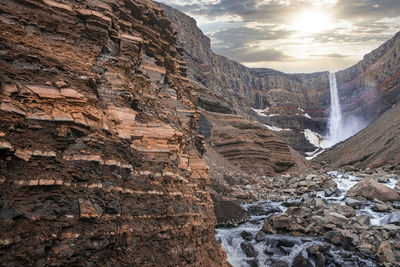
{"x":281,"y":250}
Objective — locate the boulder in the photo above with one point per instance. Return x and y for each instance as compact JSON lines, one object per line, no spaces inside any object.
{"x":363,"y":219}
{"x":330,"y":188}
{"x":281,"y":221}
{"x":370,"y":189}
{"x":268,"y":228}
{"x":302,"y":260}
{"x":342,"y":238}
{"x":336,"y":218}
{"x":385,"y":253}
{"x":249,"y":249}
{"x":229,"y":213}
{"x":246,"y":236}
{"x":354,"y":203}
{"x":381,"y":207}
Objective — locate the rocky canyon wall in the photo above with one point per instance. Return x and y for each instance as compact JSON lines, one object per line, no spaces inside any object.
{"x":100,"y":162}
{"x":293,"y":102}
{"x":372,"y":86}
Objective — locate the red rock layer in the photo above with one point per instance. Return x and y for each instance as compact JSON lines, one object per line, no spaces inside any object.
{"x":247,"y":145}
{"x":372,"y":86}
{"x":99,"y":161}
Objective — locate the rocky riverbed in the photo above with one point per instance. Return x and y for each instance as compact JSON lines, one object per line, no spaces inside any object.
{"x":331,"y":219}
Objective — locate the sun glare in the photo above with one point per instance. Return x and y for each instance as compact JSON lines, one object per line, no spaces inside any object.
{"x":311,"y":21}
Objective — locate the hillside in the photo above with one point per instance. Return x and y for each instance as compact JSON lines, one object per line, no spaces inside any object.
{"x":375,"y":146}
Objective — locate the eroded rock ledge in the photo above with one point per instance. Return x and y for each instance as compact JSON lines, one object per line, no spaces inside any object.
{"x":99,"y":156}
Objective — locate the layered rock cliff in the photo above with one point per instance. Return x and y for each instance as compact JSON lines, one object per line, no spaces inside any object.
{"x":372,"y":86}
{"x":249,"y":146}
{"x":292,"y":101}
{"x":370,"y":90}
{"x":99,"y":155}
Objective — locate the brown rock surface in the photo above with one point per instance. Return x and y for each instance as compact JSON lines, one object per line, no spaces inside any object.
{"x":370,"y":189}
{"x":247,"y":145}
{"x":99,"y":155}
{"x":375,"y":146}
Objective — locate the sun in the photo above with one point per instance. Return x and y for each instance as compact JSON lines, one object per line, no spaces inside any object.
{"x":311,"y":21}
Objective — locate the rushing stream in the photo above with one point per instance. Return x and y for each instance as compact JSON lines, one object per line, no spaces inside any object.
{"x":246,"y":246}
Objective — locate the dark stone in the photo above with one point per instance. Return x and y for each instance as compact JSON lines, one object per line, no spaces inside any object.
{"x":229,"y":213}
{"x":249,"y":249}
{"x":246,"y":236}
{"x":261,"y":211}
{"x":285,"y":243}
{"x":253,"y":263}
{"x":302,"y":260}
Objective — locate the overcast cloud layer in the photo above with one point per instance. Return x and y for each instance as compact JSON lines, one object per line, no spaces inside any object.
{"x":294,"y":35}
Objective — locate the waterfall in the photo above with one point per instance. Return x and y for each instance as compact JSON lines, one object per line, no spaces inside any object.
{"x":335,"y":118}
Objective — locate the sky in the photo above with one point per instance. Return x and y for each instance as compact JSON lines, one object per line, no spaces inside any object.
{"x":294,"y":36}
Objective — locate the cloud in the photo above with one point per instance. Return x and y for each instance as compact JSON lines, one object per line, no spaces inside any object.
{"x":367,"y":9}
{"x":332,"y":55}
{"x":267,"y":31}
{"x":255,"y":54}
{"x":239,"y":37}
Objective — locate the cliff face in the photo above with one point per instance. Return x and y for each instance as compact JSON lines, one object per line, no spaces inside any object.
{"x":372,"y":86}
{"x":295,"y":101}
{"x":99,"y":155}
{"x":249,"y":146}
{"x":370,"y":90}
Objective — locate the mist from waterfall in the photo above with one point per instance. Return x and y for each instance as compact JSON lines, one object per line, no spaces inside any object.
{"x":340,"y":127}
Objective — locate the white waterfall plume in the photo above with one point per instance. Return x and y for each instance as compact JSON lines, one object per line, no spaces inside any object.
{"x":340,"y":127}
{"x":335,"y":118}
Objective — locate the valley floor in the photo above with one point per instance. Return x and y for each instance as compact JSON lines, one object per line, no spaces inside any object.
{"x":336,"y":218}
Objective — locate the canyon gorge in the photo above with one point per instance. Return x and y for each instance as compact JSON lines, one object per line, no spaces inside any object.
{"x":126,"y":141}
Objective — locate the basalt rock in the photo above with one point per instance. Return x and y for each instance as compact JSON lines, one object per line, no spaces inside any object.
{"x":100,"y":162}
{"x":229,"y":213}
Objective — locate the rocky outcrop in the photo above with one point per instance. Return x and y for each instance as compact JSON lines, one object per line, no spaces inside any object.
{"x":229,"y":213}
{"x":99,"y":155}
{"x":370,"y":189}
{"x":247,"y":145}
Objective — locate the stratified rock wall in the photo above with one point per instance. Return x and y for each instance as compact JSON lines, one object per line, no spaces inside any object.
{"x":99,"y":156}
{"x":247,"y":145}
{"x":295,"y":101}
{"x":372,"y":86}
